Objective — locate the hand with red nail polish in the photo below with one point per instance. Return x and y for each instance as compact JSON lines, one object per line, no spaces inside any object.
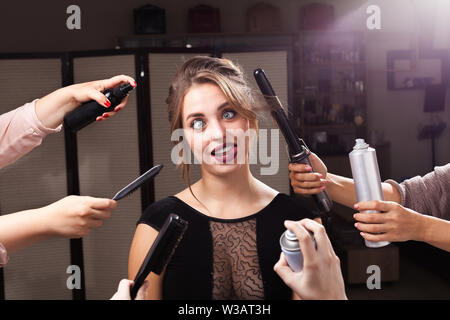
{"x":52,"y":108}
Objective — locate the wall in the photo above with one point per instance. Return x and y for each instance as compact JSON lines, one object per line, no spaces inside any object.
{"x":40,"y":26}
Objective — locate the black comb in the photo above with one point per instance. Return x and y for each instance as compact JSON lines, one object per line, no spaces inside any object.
{"x":138,"y":182}
{"x":160,"y":253}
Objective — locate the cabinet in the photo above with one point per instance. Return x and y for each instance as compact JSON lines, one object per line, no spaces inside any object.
{"x":330,"y":90}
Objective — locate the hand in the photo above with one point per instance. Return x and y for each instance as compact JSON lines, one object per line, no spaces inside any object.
{"x":75,"y":216}
{"x":52,"y":108}
{"x":393,"y":223}
{"x":123,"y":292}
{"x":93,"y":91}
{"x":303,"y":180}
{"x":321,"y":277}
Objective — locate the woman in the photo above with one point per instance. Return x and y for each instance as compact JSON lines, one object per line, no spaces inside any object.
{"x":235,"y":221}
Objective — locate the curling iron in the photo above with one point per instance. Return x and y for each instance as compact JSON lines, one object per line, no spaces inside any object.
{"x":297,"y":150}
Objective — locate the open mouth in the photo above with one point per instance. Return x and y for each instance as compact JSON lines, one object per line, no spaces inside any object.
{"x":224,"y":153}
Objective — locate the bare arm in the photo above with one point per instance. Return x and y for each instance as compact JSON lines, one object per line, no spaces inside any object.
{"x":52,"y":108}
{"x":142,"y":241}
{"x":70,"y":217}
{"x":340,"y":189}
{"x":397,"y":223}
{"x":436,"y":232}
{"x":22,"y":229}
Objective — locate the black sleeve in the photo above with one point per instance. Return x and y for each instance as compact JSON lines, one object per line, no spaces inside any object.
{"x":156,"y":214}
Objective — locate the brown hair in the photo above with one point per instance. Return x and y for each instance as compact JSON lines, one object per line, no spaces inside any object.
{"x":221,"y":72}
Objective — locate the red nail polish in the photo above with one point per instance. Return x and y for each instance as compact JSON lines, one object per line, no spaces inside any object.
{"x":117,"y":109}
{"x":107,"y":103}
{"x":106,"y":115}
{"x":134,"y":84}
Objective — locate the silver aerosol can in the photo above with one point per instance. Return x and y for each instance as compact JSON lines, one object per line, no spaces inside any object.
{"x":364,"y":164}
{"x":291,"y":249}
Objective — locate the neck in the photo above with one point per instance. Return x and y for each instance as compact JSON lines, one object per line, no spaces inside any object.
{"x":239,"y":184}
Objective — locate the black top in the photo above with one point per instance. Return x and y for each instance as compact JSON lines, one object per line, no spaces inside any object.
{"x":227,"y":258}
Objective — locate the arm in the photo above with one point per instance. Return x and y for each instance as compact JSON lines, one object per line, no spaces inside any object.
{"x":397,"y":223}
{"x":70,"y":217}
{"x":340,"y":189}
{"x":52,"y":108}
{"x":23,"y":128}
{"x":436,"y":232}
{"x":142,"y":241}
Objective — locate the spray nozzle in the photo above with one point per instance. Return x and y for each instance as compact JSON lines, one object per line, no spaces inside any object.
{"x":360,"y":144}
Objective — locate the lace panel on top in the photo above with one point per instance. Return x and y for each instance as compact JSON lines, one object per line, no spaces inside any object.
{"x":237,"y":273}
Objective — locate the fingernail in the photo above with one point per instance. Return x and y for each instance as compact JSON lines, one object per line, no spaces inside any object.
{"x":107,"y":103}
{"x":356,"y":225}
{"x":356,"y":206}
{"x":322,"y":188}
{"x":308,"y":168}
{"x":117,"y":109}
{"x":134,"y":84}
{"x":106,"y":115}
{"x":99,"y":119}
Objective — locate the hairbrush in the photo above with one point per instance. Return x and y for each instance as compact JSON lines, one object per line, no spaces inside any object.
{"x":138,"y":182}
{"x":160,"y":253}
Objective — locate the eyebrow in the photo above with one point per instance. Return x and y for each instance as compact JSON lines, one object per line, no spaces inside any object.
{"x":223,"y":105}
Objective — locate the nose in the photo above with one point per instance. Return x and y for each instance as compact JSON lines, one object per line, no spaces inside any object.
{"x":215,"y":131}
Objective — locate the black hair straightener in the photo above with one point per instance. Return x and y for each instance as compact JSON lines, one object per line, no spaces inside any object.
{"x":161,"y":251}
{"x":297,"y":149}
{"x":130,"y":188}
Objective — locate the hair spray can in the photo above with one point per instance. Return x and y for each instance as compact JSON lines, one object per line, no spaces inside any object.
{"x":291,"y":249}
{"x":364,"y":164}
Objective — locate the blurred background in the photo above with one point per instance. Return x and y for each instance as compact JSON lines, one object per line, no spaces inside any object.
{"x":345,"y":68}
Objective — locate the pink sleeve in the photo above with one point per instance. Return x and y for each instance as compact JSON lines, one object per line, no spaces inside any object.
{"x":20,"y":132}
{"x":3,"y":256}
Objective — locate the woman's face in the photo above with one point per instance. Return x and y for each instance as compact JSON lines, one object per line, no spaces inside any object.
{"x":216,"y":133}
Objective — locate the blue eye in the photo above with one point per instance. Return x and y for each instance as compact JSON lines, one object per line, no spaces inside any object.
{"x":197,"y":124}
{"x":229,"y":114}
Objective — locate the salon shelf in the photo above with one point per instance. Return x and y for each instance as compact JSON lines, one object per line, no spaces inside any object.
{"x":330,"y":64}
{"x":338,"y":128}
